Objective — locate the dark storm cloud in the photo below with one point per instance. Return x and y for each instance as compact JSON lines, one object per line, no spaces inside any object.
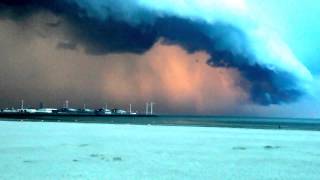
{"x":118,"y":33}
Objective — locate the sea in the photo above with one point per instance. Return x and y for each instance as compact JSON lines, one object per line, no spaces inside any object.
{"x":186,"y":120}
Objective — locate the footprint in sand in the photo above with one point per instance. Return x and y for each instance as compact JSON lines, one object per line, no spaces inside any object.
{"x":271,"y":147}
{"x":239,"y":148}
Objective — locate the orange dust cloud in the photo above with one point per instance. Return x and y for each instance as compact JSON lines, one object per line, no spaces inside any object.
{"x":175,"y":79}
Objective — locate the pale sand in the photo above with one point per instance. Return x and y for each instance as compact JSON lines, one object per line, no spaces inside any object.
{"x":102,"y":151}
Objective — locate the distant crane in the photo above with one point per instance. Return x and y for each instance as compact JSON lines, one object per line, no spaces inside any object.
{"x":149,"y":105}
{"x":67,"y":104}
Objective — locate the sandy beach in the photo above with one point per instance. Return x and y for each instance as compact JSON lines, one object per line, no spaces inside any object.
{"x":103,"y":151}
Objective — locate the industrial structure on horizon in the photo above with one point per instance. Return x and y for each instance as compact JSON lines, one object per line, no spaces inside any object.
{"x":66,"y":110}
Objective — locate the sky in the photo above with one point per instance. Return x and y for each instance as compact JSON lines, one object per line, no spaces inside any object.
{"x":217,"y":57}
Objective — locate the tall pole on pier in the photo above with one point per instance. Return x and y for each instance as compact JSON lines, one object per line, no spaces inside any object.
{"x":67,"y":104}
{"x":151,"y":108}
{"x":130,"y":109}
{"x":147,"y":108}
{"x":22,"y":104}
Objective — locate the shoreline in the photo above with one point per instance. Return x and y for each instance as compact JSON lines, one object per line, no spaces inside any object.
{"x":159,"y":120}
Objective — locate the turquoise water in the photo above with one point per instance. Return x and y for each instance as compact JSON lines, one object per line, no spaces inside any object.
{"x":206,"y":121}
